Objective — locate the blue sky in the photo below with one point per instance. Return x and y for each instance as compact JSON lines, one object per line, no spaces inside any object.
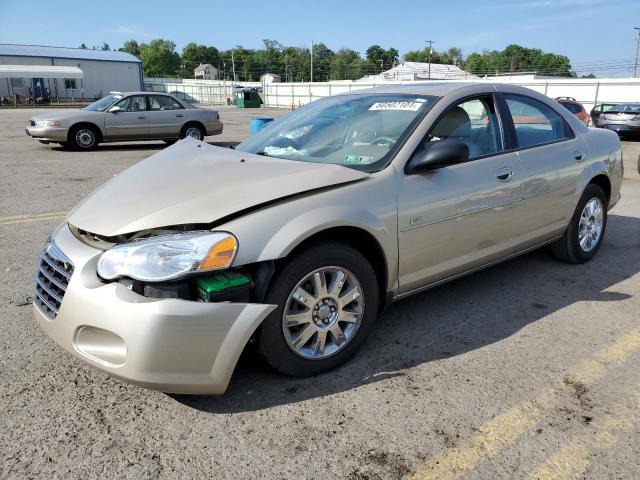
{"x":592,"y":33}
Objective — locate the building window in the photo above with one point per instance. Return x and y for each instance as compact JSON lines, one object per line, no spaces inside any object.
{"x":17,"y":83}
{"x":70,"y":83}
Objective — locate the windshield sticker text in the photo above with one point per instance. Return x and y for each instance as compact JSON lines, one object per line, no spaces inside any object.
{"x":406,"y":106}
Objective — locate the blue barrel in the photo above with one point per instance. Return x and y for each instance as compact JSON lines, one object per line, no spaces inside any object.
{"x":257,"y":123}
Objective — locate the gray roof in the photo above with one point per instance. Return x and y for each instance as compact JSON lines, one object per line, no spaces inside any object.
{"x":7,"y":49}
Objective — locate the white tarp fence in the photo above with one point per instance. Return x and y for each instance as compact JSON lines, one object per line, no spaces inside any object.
{"x":292,"y":95}
{"x":203,"y":91}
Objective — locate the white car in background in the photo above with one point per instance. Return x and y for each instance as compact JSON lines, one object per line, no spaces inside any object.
{"x":125,"y":117}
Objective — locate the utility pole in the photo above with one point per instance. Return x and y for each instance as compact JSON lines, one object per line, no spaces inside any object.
{"x":430,"y":42}
{"x":233,"y":66}
{"x":311,"y":61}
{"x":635,"y":65}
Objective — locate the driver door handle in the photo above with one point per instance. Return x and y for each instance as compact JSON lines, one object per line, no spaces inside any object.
{"x":141,"y":117}
{"x":504,"y":174}
{"x":578,"y":155}
{"x":179,"y":115}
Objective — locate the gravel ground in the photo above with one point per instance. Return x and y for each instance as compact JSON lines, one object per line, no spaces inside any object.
{"x":530,"y":369}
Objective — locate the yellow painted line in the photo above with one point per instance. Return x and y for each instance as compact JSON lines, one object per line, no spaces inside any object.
{"x":31,"y":217}
{"x":506,"y":428}
{"x":572,"y":460}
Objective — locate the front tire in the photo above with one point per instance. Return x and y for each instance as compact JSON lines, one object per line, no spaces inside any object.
{"x":83,"y":137}
{"x":327,"y":297}
{"x":585,"y":232}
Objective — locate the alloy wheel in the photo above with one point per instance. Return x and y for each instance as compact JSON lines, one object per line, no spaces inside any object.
{"x":590,"y":226}
{"x":323,"y":312}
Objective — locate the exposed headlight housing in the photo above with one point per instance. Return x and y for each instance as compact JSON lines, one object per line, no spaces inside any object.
{"x":169,"y":257}
{"x":48,"y":123}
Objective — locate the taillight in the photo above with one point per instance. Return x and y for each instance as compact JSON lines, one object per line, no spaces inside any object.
{"x":637,"y":117}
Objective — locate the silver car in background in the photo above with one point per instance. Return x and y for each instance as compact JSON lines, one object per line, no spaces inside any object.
{"x":303,"y":233}
{"x":131,"y":116}
{"x":623,"y":118}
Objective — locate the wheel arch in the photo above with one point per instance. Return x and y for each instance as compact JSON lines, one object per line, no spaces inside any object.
{"x":603,"y":182}
{"x":359,"y":239}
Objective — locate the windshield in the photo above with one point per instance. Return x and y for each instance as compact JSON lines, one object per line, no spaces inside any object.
{"x":102,"y":104}
{"x":357,"y":131}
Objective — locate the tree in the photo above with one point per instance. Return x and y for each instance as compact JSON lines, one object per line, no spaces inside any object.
{"x":105,"y":46}
{"x":515,"y":58}
{"x":132,"y":47}
{"x":376,"y":55}
{"x":83,"y":46}
{"x":194,"y":54}
{"x":159,"y":58}
{"x":346,"y":64}
{"x":322,"y":57}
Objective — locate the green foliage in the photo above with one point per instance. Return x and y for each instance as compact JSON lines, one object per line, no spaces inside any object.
{"x":159,"y":58}
{"x":515,"y":58}
{"x":194,"y":54}
{"x":293,"y":64}
{"x":132,"y":47}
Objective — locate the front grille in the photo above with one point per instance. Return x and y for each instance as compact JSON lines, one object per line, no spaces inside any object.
{"x":52,"y":277}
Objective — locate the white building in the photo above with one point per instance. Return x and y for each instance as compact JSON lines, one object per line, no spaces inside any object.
{"x":206,"y":71}
{"x":270,"y":78}
{"x":410,"y":71}
{"x":101,"y":72}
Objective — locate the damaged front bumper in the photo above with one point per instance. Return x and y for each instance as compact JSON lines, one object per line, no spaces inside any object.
{"x":172,"y":345}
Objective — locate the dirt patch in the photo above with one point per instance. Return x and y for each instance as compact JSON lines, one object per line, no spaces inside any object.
{"x":579,"y":391}
{"x":378,"y":464}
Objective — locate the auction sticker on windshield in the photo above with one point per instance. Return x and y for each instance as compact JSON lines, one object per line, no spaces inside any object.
{"x":407,"y":106}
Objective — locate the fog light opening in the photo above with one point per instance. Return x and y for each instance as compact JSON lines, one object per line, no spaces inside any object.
{"x":100,"y":345}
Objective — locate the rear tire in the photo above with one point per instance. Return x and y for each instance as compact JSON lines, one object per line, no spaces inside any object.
{"x":83,"y":137}
{"x":585,"y":232}
{"x":192,"y":130}
{"x":332,"y":318}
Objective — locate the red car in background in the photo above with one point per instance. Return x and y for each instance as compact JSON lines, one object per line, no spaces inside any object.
{"x":574,"y":107}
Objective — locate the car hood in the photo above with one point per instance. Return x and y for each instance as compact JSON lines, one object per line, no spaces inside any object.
{"x":59,"y":114}
{"x":193,"y":182}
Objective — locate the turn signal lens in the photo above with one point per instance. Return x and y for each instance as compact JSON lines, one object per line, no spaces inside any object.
{"x":220,"y":255}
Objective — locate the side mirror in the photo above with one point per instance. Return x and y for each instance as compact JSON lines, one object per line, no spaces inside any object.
{"x":115,"y":109}
{"x":437,"y":155}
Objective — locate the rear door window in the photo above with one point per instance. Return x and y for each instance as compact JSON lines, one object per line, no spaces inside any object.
{"x":160,"y":102}
{"x":535,"y":123}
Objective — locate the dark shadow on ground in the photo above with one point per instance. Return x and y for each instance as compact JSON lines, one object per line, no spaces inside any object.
{"x":151,"y":145}
{"x":449,"y":320}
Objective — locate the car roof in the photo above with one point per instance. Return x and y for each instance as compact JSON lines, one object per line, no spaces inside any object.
{"x":437,"y":89}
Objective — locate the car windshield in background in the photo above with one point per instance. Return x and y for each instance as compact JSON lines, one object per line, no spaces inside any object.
{"x":102,"y":104}
{"x":357,"y":131}
{"x":626,"y":108}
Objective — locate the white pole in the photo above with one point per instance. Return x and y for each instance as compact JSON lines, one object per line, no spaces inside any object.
{"x":635,"y":65}
{"x":233,"y":65}
{"x":311,"y":61}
